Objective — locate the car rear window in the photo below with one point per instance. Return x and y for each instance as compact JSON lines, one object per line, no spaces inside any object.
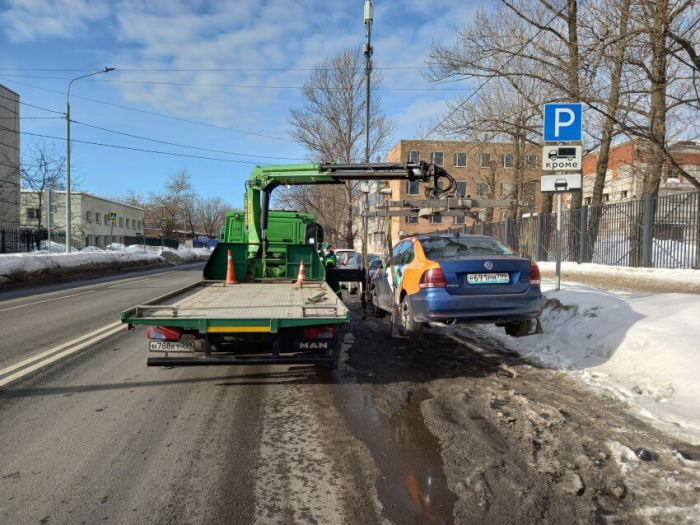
{"x":437,"y":248}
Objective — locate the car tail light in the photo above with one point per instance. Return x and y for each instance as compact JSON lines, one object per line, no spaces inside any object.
{"x":433,"y":278}
{"x":535,"y":277}
{"x":319,"y":332}
{"x":164,"y":333}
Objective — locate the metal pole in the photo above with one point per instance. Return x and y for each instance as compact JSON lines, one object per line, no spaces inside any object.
{"x":558,"y":247}
{"x":368,"y":71}
{"x":162,"y":232}
{"x":69,"y":222}
{"x":48,"y":220}
{"x":365,"y":225}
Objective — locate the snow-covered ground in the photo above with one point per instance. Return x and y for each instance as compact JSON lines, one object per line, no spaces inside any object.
{"x":642,"y":275}
{"x":643,"y":349}
{"x":90,"y":257}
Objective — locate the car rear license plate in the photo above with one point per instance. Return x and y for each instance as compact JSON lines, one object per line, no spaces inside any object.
{"x":488,"y":278}
{"x":170,"y":346}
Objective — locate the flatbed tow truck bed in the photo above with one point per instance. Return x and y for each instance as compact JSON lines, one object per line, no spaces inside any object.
{"x":224,"y":319}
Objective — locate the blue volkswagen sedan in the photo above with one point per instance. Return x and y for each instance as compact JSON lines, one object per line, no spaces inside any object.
{"x":458,"y":279}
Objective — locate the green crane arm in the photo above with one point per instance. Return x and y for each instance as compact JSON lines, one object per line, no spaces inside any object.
{"x":264,"y":179}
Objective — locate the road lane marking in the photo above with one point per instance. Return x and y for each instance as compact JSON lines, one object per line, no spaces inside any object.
{"x":95,"y":334}
{"x":142,"y":280}
{"x":47,"y":300}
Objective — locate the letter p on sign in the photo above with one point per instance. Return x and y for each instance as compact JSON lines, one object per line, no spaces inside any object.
{"x":562,"y":122}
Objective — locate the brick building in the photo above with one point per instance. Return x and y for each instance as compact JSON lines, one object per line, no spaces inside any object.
{"x":9,"y":157}
{"x":627,"y":165}
{"x":481,"y":170}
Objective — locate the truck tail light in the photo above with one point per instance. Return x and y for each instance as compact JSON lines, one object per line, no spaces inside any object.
{"x":535,"y":277}
{"x":164,"y":333}
{"x":433,"y":278}
{"x":319,"y":332}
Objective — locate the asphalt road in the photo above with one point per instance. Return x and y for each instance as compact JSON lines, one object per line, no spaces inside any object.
{"x":35,"y":319}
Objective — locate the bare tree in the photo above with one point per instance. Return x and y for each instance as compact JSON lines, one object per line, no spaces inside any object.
{"x":177,"y":202}
{"x":211,"y":215}
{"x":329,"y":124}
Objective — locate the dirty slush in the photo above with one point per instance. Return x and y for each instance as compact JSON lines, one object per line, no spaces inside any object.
{"x":462,"y":431}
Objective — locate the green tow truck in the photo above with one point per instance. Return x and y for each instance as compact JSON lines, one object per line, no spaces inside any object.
{"x":268,"y":317}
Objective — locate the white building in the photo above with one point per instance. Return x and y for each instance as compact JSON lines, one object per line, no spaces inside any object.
{"x":91,"y":216}
{"x":9,"y":158}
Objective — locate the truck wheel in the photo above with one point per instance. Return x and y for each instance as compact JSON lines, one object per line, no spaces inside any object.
{"x":411,"y":327}
{"x":519,"y":328}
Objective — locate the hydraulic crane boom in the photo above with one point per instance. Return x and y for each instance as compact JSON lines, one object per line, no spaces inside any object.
{"x":264,"y":179}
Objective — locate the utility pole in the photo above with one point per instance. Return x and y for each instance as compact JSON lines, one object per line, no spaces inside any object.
{"x":365,"y":203}
{"x":69,"y":219}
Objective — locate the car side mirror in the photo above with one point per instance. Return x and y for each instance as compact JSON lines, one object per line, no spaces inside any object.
{"x":377,"y":264}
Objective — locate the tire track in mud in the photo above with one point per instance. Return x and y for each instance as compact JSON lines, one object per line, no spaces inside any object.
{"x":522,"y":443}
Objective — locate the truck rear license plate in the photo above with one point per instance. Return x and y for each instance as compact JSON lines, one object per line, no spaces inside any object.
{"x":170,"y":346}
{"x":488,"y":278}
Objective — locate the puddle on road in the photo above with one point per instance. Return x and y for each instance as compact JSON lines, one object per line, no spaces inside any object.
{"x":412,"y":486}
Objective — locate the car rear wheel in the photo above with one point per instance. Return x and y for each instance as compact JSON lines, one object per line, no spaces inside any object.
{"x":411,"y":327}
{"x":519,"y":329}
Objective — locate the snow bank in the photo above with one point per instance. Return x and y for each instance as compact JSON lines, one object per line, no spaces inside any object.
{"x":649,"y":275}
{"x":642,"y":349}
{"x":16,"y":267}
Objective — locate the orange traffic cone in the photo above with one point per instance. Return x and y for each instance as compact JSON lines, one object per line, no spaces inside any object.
{"x":302,"y":273}
{"x":230,"y":274}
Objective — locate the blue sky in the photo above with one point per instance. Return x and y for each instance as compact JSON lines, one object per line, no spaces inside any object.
{"x":85,"y":35}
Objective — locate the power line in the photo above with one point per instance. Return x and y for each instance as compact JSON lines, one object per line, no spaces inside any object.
{"x":30,"y":105}
{"x":205,"y":70}
{"x":152,"y":112}
{"x":184,"y":145}
{"x":503,"y":66}
{"x":130,"y":148}
{"x":236,"y":86}
{"x":31,"y":118}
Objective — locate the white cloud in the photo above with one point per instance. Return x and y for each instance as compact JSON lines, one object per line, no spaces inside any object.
{"x":26,"y":20}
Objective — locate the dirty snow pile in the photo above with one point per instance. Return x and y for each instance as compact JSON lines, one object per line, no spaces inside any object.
{"x":658,"y":276}
{"x":642,"y":349}
{"x":43,"y":262}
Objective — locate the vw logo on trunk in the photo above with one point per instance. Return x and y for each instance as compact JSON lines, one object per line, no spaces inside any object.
{"x":488,"y":265}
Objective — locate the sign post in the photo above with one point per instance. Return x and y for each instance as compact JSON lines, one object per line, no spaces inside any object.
{"x":112,"y":220}
{"x":163,"y":224}
{"x":562,"y":123}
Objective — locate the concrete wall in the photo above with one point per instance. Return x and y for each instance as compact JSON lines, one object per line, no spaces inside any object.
{"x":90,"y":217}
{"x":9,"y":157}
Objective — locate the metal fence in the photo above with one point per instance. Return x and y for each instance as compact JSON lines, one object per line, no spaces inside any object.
{"x":150,"y":241}
{"x":22,"y":240}
{"x":655,"y":232}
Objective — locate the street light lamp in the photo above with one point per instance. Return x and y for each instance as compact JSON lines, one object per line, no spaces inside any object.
{"x":69,"y":219}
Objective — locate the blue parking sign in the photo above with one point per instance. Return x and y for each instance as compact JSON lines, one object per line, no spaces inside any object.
{"x":562,"y":122}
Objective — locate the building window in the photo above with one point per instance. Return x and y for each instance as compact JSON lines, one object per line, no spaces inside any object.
{"x":128,"y":224}
{"x":435,"y":219}
{"x":139,"y":226}
{"x":460,"y":220}
{"x":413,"y":156}
{"x":623,"y":194}
{"x":33,"y":213}
{"x":460,"y":160}
{"x":460,"y":189}
{"x":482,"y":189}
{"x":106,"y":218}
{"x":531,"y":161}
{"x":588,"y":201}
{"x":410,"y":220}
{"x":672,"y":173}
{"x":98,"y":217}
{"x":121,"y":222}
{"x":412,"y":187}
{"x":88,"y":216}
{"x":606,"y":197}
{"x":507,"y":160}
{"x":529,"y":190}
{"x":484,"y":160}
{"x":436,"y":157}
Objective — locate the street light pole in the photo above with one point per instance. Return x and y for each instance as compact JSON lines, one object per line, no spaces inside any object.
{"x":69,"y":219}
{"x":369,"y":18}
